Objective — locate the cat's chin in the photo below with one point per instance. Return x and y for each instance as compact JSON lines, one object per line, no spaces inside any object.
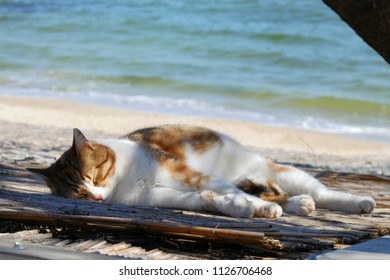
{"x":98,"y":194}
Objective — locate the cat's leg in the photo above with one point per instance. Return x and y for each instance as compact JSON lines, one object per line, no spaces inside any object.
{"x":262,"y":208}
{"x":229,"y":203}
{"x":202,"y":200}
{"x":346,"y":202}
{"x":198,"y":191}
{"x":297,"y":182}
{"x":169,"y":194}
{"x":268,"y":190}
{"x":179,"y":186}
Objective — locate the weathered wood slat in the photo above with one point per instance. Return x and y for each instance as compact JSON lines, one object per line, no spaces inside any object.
{"x":234,"y":236}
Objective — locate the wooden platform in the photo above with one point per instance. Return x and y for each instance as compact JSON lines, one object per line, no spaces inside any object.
{"x":377,"y":249}
{"x":29,"y":213}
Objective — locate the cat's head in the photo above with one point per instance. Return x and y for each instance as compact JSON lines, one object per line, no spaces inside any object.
{"x":82,"y":167}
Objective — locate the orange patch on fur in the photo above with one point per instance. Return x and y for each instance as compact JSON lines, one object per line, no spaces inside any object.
{"x":250,"y":187}
{"x":278,"y":167}
{"x":269,"y":191}
{"x":182,"y":172}
{"x":275,"y":193}
{"x":172,"y":139}
{"x":209,"y":194}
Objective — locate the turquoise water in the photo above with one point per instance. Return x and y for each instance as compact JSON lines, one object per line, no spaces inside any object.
{"x":288,"y":63}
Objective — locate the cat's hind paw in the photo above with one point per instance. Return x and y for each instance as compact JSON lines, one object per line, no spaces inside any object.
{"x":302,"y":205}
{"x":361,"y":205}
{"x":367,"y":205}
{"x":268,"y":210}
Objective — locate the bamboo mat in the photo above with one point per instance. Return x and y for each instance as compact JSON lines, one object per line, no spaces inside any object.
{"x":26,"y":204}
{"x":27,"y":239}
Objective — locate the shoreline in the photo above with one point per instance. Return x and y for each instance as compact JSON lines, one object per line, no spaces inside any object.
{"x":277,"y":143}
{"x":184,"y":107}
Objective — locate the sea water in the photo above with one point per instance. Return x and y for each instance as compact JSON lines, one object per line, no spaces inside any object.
{"x":286,"y":63}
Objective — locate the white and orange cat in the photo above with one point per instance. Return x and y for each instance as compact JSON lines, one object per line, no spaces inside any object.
{"x":190,"y":168}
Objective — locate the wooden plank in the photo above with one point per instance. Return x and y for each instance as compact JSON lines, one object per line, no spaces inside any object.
{"x":26,"y":250}
{"x":378,"y":249}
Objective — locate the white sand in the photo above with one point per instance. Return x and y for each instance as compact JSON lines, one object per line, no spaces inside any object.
{"x":68,"y":114}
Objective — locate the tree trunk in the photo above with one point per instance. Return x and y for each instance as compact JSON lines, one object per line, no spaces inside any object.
{"x":369,"y":18}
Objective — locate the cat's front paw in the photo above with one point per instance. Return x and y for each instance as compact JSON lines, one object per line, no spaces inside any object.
{"x":302,"y":205}
{"x":238,"y":206}
{"x":268,"y":210}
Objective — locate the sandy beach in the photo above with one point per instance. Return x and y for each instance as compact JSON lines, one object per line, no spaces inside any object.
{"x":41,"y":129}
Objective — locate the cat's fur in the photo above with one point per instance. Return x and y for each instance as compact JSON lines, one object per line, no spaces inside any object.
{"x":190,"y":168}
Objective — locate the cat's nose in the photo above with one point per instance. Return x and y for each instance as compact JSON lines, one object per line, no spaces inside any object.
{"x":99,"y":198}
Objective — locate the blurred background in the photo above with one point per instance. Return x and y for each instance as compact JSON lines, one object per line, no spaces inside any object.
{"x":279,"y":62}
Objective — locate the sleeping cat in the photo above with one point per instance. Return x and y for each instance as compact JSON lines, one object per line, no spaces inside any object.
{"x":190,"y":168}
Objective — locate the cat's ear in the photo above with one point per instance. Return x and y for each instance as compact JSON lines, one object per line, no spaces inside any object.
{"x":41,"y":172}
{"x":80,"y":142}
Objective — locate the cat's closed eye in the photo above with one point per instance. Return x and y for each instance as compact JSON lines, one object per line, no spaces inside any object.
{"x":87,"y":178}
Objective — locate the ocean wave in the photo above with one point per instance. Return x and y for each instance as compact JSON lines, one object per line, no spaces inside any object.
{"x":285,"y":63}
{"x":198,"y":108}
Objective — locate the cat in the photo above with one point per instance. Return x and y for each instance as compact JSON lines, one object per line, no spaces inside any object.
{"x":190,"y":168}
